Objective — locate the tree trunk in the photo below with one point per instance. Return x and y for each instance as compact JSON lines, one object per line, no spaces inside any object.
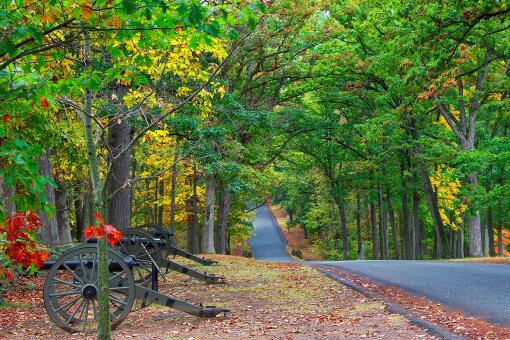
{"x":343,"y":226}
{"x":173,"y":188}
{"x":417,"y":228}
{"x":433,"y":206}
{"x":193,"y":232}
{"x":48,"y":233}
{"x":6,"y":195}
{"x":208,"y":228}
{"x":223,"y":212}
{"x":394,"y":230}
{"x":119,"y":193}
{"x":373,"y":223}
{"x":407,"y":219}
{"x":64,"y":229}
{"x":474,"y":225}
{"x":490,"y":230}
{"x":79,"y":209}
{"x":501,"y":251}
{"x":103,"y":327}
{"x":361,"y":252}
{"x":383,"y":225}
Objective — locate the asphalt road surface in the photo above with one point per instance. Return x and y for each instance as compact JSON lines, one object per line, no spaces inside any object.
{"x":481,"y":290}
{"x":268,"y":243}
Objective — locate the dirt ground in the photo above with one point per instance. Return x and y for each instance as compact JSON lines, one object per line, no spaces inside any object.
{"x":267,"y":301}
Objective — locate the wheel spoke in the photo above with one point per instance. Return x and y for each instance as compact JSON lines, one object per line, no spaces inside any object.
{"x":86,"y":309}
{"x":113,"y":298}
{"x":72,"y":273}
{"x":66,"y":293}
{"x":68,"y":305}
{"x":72,"y":284}
{"x":75,"y":311}
{"x":85,"y":275}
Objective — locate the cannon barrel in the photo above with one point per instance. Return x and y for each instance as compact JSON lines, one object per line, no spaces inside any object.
{"x":114,"y":266}
{"x":159,"y":241}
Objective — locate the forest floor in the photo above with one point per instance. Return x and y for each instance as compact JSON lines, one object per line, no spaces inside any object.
{"x":267,"y":301}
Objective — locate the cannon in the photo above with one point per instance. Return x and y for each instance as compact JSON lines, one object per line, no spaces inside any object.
{"x":167,"y":244}
{"x":146,"y":248}
{"x":71,"y":291}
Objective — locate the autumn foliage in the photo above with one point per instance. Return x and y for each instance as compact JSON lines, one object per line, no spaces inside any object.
{"x":20,"y":246}
{"x":103,"y":230}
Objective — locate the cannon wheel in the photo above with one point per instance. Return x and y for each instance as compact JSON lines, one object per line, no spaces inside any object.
{"x":142,"y":247}
{"x":156,"y":231}
{"x":70,"y":292}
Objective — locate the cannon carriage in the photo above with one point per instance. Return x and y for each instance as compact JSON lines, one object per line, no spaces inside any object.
{"x":71,"y":290}
{"x":134,"y":268}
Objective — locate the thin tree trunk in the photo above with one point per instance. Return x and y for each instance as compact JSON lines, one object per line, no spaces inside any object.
{"x":208,"y":228}
{"x":160,"y":208}
{"x":490,"y":230}
{"x":64,"y":229}
{"x":103,"y":327}
{"x":48,"y":233}
{"x":343,"y":226}
{"x":173,"y":188}
{"x":394,"y":231}
{"x":406,"y":216}
{"x":501,"y":251}
{"x":195,"y":232}
{"x":6,"y":195}
{"x":79,"y":209}
{"x":361,"y":252}
{"x":417,"y":235}
{"x":375,"y":242}
{"x":383,"y":225}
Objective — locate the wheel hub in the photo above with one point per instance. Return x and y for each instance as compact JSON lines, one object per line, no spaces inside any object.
{"x":89,"y":292}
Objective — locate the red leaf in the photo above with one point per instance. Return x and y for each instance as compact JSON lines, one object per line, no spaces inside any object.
{"x":99,"y":218}
{"x":44,"y":103}
{"x":6,"y":118}
{"x":9,"y":275}
{"x":89,"y":232}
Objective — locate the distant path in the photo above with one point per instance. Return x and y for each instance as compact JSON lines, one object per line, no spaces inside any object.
{"x":267,"y":244}
{"x":481,"y":290}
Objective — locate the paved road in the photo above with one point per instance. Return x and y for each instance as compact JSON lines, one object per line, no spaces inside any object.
{"x":267,"y":244}
{"x":481,"y":290}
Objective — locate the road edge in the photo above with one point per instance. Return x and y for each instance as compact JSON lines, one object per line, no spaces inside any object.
{"x":413,"y":318}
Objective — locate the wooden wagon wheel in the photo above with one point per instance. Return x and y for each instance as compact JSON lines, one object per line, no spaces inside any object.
{"x":71,"y":292}
{"x":142,"y":247}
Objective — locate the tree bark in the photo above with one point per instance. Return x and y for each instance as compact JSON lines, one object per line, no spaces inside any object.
{"x":119,"y":193}
{"x":501,"y":251}
{"x":433,"y":206}
{"x":474,"y":225}
{"x":490,"y":230}
{"x":394,"y":231}
{"x":223,"y":212}
{"x":406,"y":216}
{"x":208,"y":228}
{"x":343,"y":226}
{"x":373,"y":223}
{"x":6,"y":195}
{"x":194,"y":231}
{"x":48,"y":233}
{"x":383,"y":225}
{"x":417,"y":228}
{"x":64,"y":229}
{"x":361,"y":251}
{"x":173,"y":188}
